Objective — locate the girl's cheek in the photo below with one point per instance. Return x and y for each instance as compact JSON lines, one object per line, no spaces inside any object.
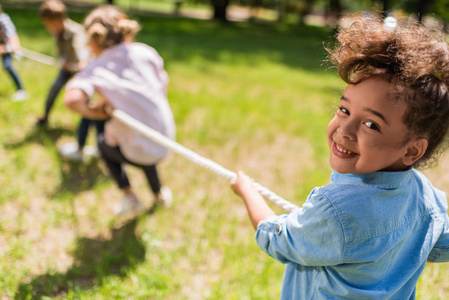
{"x":332,"y":126}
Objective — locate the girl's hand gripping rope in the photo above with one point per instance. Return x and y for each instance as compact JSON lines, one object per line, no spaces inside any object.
{"x":256,"y":206}
{"x":78,"y":101}
{"x":243,"y":185}
{"x":101,"y":103}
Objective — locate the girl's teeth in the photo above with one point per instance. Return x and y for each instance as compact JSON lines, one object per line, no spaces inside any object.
{"x":344,"y":150}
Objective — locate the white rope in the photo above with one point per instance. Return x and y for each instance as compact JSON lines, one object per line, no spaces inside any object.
{"x":36,"y":56}
{"x":197,"y":159}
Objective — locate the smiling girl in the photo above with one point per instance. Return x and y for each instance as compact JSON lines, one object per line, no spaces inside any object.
{"x":367,"y":133}
{"x":369,"y":233}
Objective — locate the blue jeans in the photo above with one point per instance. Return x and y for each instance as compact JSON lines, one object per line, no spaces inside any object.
{"x":7,"y":64}
{"x":59,"y":83}
{"x":83,"y":129}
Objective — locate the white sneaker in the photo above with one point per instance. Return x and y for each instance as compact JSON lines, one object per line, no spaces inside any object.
{"x":71,"y":151}
{"x":91,"y":151}
{"x":165,"y":197}
{"x":20,"y":95}
{"x":130,"y":203}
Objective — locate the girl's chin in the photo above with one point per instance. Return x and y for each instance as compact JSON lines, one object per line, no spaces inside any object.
{"x":343,"y":168}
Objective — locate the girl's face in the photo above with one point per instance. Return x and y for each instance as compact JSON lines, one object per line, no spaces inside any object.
{"x":367,"y":133}
{"x":54,"y":26}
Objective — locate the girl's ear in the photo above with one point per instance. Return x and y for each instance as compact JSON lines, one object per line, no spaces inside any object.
{"x":415,"y":151}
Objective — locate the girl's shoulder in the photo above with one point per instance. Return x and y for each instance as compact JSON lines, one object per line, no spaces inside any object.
{"x":139,"y":47}
{"x":143,"y":52}
{"x":136,"y":45}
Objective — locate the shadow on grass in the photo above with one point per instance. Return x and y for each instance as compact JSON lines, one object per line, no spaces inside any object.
{"x":79,"y":176}
{"x":39,"y":135}
{"x":76,"y":176}
{"x":94,"y":261}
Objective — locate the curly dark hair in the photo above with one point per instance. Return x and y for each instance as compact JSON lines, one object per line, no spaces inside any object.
{"x":412,"y":57}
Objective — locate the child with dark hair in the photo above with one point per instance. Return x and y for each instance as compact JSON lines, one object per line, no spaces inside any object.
{"x":369,"y":233}
{"x":9,"y":45}
{"x":131,"y":77}
{"x":71,"y":42}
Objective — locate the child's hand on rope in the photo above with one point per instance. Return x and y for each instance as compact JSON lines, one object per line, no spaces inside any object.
{"x":257,"y":208}
{"x":102,"y":111}
{"x":243,"y":185}
{"x":78,"y":101}
{"x":101,"y":104}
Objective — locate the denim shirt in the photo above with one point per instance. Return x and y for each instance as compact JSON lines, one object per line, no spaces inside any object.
{"x":361,"y":237}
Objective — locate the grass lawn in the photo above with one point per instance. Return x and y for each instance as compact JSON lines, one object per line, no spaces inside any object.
{"x":250,"y":97}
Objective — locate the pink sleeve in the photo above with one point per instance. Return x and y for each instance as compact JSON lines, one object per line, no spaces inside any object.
{"x":82,"y":83}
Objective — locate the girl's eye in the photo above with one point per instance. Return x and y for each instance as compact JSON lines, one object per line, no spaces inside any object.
{"x":372,"y":126}
{"x":343,"y":110}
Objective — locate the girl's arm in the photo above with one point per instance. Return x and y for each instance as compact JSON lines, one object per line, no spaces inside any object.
{"x":77,"y":100}
{"x":258,"y":209}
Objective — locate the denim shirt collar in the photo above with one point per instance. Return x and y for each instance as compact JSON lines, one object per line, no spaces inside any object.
{"x":383,"y":180}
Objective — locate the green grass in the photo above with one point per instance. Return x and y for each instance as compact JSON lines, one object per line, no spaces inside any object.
{"x":250,"y":97}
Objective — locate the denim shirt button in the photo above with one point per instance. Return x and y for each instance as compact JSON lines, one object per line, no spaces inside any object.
{"x":277,"y":229}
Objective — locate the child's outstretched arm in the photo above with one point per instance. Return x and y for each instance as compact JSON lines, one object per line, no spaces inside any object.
{"x":258,"y":209}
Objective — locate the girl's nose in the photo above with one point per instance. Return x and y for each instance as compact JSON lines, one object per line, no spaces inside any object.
{"x":348,"y":130}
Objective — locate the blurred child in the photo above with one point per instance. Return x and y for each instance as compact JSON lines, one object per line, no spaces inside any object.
{"x":71,"y":42}
{"x":9,"y":45}
{"x":130,"y":77}
{"x":369,"y":233}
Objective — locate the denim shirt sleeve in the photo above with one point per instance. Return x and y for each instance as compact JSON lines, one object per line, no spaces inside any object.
{"x":311,"y":236}
{"x":440,"y":252}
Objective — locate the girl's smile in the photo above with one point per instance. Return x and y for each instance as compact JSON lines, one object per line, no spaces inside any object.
{"x":342,"y":152}
{"x":367,"y":133}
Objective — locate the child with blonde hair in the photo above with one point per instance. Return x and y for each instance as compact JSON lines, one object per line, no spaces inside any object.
{"x":369,"y":233}
{"x":129,"y":76}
